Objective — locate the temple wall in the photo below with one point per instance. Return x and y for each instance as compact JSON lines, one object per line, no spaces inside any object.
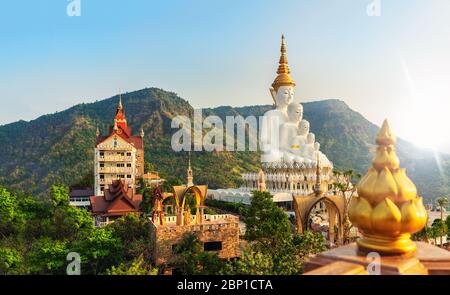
{"x":165,"y":237}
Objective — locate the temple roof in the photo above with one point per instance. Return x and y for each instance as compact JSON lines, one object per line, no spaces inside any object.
{"x":117,"y":199}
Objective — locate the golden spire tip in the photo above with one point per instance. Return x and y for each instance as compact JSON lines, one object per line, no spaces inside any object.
{"x":385,"y":136}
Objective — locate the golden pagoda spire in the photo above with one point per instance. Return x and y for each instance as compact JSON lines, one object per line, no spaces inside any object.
{"x":387,"y":209}
{"x":317,"y":189}
{"x":190,"y":176}
{"x":283,"y":78}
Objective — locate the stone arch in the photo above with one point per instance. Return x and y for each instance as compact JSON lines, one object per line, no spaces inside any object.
{"x":333,"y":212}
{"x":303,"y":206}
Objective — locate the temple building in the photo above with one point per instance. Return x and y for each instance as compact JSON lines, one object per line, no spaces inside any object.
{"x":218,"y":233}
{"x":290,"y":153}
{"x":118,"y":155}
{"x":117,"y":200}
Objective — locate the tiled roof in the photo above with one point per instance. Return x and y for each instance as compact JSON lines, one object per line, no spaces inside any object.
{"x":118,"y":198}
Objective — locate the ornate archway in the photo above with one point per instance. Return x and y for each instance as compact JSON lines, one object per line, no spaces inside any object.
{"x":303,"y":205}
{"x":182,"y":208}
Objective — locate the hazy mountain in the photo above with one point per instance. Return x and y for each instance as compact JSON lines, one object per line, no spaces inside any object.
{"x":59,"y":147}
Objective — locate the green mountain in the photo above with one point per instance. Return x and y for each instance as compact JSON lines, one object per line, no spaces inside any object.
{"x":58,"y":148}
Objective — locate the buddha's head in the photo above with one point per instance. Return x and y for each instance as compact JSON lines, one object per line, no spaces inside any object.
{"x":283,"y":96}
{"x":316,"y":146}
{"x":311,"y":138}
{"x":303,"y":129}
{"x":295,"y":112}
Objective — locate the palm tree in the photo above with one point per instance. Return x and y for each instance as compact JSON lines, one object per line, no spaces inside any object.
{"x":442,"y":203}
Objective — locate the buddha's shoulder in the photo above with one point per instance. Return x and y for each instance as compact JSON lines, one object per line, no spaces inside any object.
{"x":274,"y":112}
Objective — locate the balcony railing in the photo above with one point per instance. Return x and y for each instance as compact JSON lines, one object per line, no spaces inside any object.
{"x":116,"y":158}
{"x":116,"y":169}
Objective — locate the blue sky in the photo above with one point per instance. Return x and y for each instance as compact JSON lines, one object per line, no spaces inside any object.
{"x":225,"y":52}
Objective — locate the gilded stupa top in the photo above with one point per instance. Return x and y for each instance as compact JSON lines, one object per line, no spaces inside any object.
{"x":387,"y":209}
{"x":283,"y":78}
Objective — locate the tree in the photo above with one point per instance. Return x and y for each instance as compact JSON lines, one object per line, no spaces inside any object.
{"x":48,"y":256}
{"x":345,"y":184}
{"x":99,"y":251}
{"x":192,"y":260}
{"x":273,"y":249}
{"x":136,"y":267}
{"x":442,"y":203}
{"x":9,"y":213}
{"x":11,"y":261}
{"x":133,"y":232}
{"x":60,"y":195}
{"x":265,"y":222}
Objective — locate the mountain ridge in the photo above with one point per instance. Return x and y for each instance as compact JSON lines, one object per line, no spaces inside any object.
{"x":58,"y":147}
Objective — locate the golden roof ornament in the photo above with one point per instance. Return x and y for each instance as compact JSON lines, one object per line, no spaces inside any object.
{"x":283,"y":78}
{"x":387,"y":209}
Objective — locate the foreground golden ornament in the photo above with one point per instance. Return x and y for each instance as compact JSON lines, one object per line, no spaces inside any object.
{"x":387,"y":209}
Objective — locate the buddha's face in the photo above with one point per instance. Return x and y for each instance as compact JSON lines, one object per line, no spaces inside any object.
{"x":284,"y":96}
{"x":311,"y":138}
{"x":303,"y":128}
{"x":295,"y":112}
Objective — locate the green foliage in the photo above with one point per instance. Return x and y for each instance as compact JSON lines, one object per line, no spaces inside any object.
{"x":60,"y":195}
{"x":273,"y":248}
{"x":99,"y":250}
{"x":265,"y":222}
{"x":134,"y":235}
{"x":231,"y":207}
{"x":11,"y":261}
{"x":36,"y":237}
{"x":135,"y":267}
{"x":48,"y":256}
{"x":192,"y":260}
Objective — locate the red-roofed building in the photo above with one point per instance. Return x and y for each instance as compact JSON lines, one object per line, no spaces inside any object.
{"x":117,"y":200}
{"x":118,"y":155}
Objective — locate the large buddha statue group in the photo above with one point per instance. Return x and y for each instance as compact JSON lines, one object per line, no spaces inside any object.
{"x":285,"y":135}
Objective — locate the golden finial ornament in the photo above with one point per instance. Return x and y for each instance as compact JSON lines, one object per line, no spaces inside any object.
{"x":283,"y":78}
{"x":387,"y":209}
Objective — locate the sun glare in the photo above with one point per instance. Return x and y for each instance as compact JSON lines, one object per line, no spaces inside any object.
{"x":426,"y":116}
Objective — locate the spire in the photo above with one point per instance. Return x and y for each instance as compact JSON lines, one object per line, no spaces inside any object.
{"x":283,"y":78}
{"x":190,"y":176}
{"x":317,"y":189}
{"x":120,"y":106}
{"x":120,"y":119}
{"x":97,"y":133}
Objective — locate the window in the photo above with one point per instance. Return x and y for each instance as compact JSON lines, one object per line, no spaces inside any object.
{"x":120,"y":165}
{"x":212,"y":246}
{"x":102,"y":154}
{"x":128,"y":154}
{"x":102,"y":176}
{"x":129,"y":165}
{"x":128,"y":176}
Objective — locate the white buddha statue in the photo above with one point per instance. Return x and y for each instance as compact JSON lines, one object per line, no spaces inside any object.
{"x":308,"y":151}
{"x":282,"y":92}
{"x":289,"y":130}
{"x":298,"y":142}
